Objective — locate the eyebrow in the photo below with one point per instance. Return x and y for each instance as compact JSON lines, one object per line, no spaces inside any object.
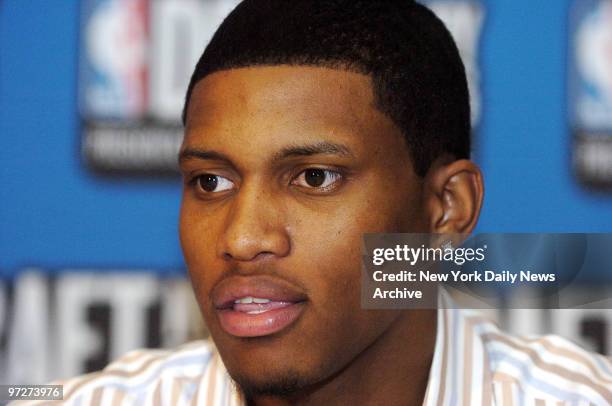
{"x":194,"y":153}
{"x":320,"y":148}
{"x":325,"y":148}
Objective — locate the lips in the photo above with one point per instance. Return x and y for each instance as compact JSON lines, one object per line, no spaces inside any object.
{"x":257,"y":306}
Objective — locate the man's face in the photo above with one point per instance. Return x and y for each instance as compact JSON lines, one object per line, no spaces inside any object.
{"x":285,"y":169}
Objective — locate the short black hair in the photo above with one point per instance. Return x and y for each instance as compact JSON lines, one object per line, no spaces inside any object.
{"x":417,"y":75}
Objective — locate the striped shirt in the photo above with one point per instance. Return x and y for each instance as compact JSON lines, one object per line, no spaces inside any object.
{"x":474,"y":363}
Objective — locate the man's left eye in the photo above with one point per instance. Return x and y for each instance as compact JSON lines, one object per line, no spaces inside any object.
{"x":314,"y":178}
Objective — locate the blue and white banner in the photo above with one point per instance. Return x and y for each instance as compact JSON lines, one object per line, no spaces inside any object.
{"x":590,"y":91}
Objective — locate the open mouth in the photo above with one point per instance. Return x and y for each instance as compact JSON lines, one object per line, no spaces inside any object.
{"x":256,"y":307}
{"x":248,"y":318}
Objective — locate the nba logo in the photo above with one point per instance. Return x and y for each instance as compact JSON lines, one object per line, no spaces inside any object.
{"x":590,"y":91}
{"x":113,"y":68}
{"x":136,"y":57}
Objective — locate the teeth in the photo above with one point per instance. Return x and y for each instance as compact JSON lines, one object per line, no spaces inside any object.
{"x":250,"y":299}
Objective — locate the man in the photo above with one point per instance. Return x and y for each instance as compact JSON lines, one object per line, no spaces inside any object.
{"x":308,"y":124}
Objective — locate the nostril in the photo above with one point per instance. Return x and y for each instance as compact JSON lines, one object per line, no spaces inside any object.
{"x":259,"y":256}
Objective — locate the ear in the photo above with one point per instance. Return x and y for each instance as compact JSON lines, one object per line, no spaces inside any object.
{"x":453,"y":196}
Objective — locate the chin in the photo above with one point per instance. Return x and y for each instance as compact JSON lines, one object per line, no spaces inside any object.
{"x":279,"y":356}
{"x":273,"y":370}
{"x":283,"y":384}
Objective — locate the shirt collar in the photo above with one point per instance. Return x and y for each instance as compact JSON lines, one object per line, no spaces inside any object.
{"x":460,"y":372}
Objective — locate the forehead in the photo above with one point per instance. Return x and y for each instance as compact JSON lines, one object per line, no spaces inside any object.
{"x":304,"y":90}
{"x":287,"y":104}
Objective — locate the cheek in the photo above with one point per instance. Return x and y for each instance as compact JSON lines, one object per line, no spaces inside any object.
{"x":191,"y":233}
{"x":328,"y":241}
{"x":197,"y":234}
{"x":336,"y":229}
{"x":336,"y":322}
{"x":328,"y":252}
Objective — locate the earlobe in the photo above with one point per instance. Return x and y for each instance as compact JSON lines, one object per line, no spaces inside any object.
{"x":454,"y":193}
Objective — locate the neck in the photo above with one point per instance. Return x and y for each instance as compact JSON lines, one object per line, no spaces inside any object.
{"x":393,"y":370}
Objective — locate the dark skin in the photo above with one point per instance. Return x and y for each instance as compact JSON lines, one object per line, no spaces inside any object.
{"x":258,"y":131}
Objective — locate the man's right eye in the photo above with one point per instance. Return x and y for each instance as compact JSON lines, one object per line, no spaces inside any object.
{"x":209,"y":183}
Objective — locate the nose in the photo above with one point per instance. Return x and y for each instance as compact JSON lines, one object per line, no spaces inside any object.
{"x":255,"y":227}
